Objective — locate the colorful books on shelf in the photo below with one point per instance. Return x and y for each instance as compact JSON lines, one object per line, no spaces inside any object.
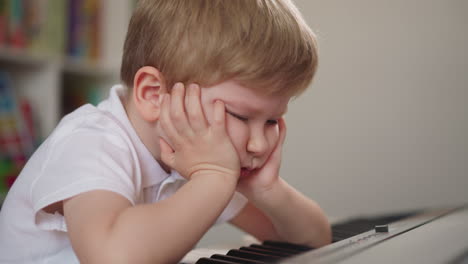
{"x":54,"y":27}
{"x":17,"y":133}
{"x":83,"y":29}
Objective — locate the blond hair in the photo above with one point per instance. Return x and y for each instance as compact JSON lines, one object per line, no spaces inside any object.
{"x":262,"y":44}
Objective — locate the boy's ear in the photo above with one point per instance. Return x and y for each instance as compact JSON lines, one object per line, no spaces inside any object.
{"x":148,"y":85}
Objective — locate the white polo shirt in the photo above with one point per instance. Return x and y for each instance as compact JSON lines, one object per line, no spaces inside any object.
{"x":93,"y":148}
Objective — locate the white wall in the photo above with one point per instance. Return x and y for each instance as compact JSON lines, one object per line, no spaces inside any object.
{"x":384,"y":127}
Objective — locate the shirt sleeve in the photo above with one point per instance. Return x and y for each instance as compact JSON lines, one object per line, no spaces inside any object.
{"x":83,"y":161}
{"x":236,"y":204}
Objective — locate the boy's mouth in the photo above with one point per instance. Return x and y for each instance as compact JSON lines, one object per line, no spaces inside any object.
{"x":246,"y":172}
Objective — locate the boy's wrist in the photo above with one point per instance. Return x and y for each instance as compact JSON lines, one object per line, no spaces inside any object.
{"x":267,"y":196}
{"x":221,"y":178}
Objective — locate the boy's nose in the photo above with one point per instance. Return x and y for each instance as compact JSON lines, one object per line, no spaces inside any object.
{"x":257,"y":144}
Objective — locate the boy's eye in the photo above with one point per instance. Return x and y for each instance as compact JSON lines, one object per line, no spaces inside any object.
{"x":272,"y":122}
{"x":242,"y":118}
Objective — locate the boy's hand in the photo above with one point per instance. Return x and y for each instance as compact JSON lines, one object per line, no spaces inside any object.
{"x":196,"y":147}
{"x":267,"y":176}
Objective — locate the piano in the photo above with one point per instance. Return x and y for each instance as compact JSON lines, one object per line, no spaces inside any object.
{"x":425,"y":236}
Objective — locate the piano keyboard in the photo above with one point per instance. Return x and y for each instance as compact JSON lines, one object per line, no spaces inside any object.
{"x":267,"y":252}
{"x":275,"y":251}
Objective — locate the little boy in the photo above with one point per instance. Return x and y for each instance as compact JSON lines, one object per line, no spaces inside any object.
{"x":192,"y":137}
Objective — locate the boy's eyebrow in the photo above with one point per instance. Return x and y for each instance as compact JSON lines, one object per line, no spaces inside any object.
{"x":253,"y":109}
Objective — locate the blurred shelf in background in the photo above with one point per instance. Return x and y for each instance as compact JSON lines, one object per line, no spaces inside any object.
{"x":25,"y":58}
{"x":55,"y":55}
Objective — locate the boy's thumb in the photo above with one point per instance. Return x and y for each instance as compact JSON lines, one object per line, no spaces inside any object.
{"x":167,"y":153}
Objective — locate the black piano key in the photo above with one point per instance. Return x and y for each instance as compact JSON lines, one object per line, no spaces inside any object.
{"x":237,"y":259}
{"x":213,"y":261}
{"x":266,"y":252}
{"x":280,"y":249}
{"x":252,"y":255}
{"x":287,"y":245}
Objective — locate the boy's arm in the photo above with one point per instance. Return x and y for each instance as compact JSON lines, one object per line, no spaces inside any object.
{"x":284,"y":214}
{"x":104,"y":228}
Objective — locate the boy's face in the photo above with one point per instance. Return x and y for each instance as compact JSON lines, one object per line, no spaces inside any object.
{"x":251,"y":121}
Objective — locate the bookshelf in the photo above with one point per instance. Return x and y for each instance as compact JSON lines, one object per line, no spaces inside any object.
{"x":38,"y":76}
{"x":43,"y":66}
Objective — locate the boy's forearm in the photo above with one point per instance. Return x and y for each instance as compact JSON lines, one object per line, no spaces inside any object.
{"x":163,"y":232}
{"x":295,"y":217}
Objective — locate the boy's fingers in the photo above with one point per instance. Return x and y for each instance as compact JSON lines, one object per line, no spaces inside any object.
{"x":282,"y":136}
{"x":166,"y":122}
{"x":282,"y":130}
{"x":219,"y":117}
{"x":178,"y":115}
{"x":194,"y":109}
{"x":167,"y":155}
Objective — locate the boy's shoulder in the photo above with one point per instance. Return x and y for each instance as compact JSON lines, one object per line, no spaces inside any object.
{"x":88,"y":119}
{"x":108,"y":119}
